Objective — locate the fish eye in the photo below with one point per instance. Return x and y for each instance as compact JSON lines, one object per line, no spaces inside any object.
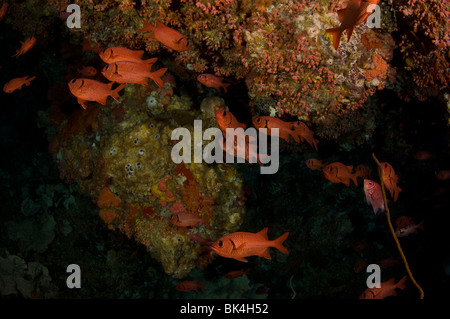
{"x":224,"y":112}
{"x":106,"y":67}
{"x":220,"y":243}
{"x":73,"y":81}
{"x":187,"y":43}
{"x":258,"y":120}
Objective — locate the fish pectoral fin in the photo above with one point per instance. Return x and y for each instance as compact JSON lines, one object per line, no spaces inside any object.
{"x":81,"y":102}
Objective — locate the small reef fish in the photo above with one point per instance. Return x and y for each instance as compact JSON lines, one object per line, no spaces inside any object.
{"x":17,"y":83}
{"x":244,"y":244}
{"x":406,"y":226}
{"x":169,"y":37}
{"x":116,"y":54}
{"x":356,"y":12}
{"x":363,"y":171}
{"x":339,"y":173}
{"x":200,"y":240}
{"x":387,"y":289}
{"x":92,"y":90}
{"x":286,"y":129}
{"x":390,"y":180}
{"x":186,"y":220}
{"x":26,"y":46}
{"x":132,"y":72}
{"x":225,"y":119}
{"x":443,"y":175}
{"x":87,"y":71}
{"x":314,"y":164}
{"x":212,"y":81}
{"x":248,"y":152}
{"x":3,"y":10}
{"x":305,"y":134}
{"x":186,"y":286}
{"x":374,"y":195}
{"x":236,"y":273}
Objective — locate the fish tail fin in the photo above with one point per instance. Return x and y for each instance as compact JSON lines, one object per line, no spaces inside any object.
{"x":355,"y":178}
{"x":225,"y":85}
{"x":278,"y":243}
{"x":316,"y":141}
{"x":16,"y":55}
{"x":29,"y":80}
{"x":336,"y":33}
{"x":401,"y":283}
{"x":202,"y":285}
{"x":397,"y":191}
{"x":349,"y":33}
{"x":147,"y":27}
{"x":115,"y":92}
{"x":156,"y":76}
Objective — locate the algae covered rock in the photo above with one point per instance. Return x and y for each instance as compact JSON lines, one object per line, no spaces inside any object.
{"x":138,"y":187}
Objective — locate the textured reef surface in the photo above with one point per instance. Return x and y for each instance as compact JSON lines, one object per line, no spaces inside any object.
{"x":94,"y":183}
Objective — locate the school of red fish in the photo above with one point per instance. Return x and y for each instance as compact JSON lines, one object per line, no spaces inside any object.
{"x":125,"y":66}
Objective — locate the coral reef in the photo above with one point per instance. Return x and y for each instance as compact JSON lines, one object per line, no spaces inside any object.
{"x":126,"y":167}
{"x":278,"y":49}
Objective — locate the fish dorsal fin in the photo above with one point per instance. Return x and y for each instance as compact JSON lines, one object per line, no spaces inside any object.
{"x":341,"y":14}
{"x":350,"y":168}
{"x":263,"y":233}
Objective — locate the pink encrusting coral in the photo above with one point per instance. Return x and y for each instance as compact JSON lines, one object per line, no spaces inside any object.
{"x":426,"y":47}
{"x":279,"y":49}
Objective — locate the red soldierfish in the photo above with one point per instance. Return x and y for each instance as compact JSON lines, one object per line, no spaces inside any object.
{"x":339,"y":173}
{"x":356,"y":12}
{"x":374,"y":195}
{"x":117,"y":54}
{"x":243,"y":244}
{"x":169,"y":37}
{"x":387,"y":289}
{"x":212,"y":81}
{"x":225,"y":119}
{"x":26,"y":46}
{"x":390,"y":180}
{"x":132,"y":72}
{"x":92,"y":90}
{"x":405,"y":226}
{"x":285,"y":129}
{"x":186,"y":220}
{"x":17,"y":83}
{"x":187,"y":285}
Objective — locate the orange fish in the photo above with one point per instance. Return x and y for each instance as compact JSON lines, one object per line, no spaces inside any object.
{"x":243,"y":244}
{"x":387,"y":289}
{"x":305,"y":134}
{"x":390,"y":180}
{"x":3,"y":10}
{"x":132,"y":72}
{"x":87,"y":71}
{"x":443,"y":175}
{"x":26,"y":46}
{"x":249,"y":153}
{"x":92,"y":90}
{"x":186,"y":220}
{"x":200,"y":240}
{"x":356,"y":12}
{"x":363,"y":171}
{"x":169,"y":37}
{"x":314,"y":164}
{"x":339,"y":173}
{"x":212,"y":81}
{"x":187,"y":285}
{"x":286,"y":129}
{"x":236,"y":273}
{"x":225,"y":119}
{"x":406,"y":226}
{"x":374,"y":196}
{"x":17,"y":83}
{"x":117,"y":54}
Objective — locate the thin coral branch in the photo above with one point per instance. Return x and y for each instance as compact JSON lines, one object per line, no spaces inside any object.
{"x":388,"y":216}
